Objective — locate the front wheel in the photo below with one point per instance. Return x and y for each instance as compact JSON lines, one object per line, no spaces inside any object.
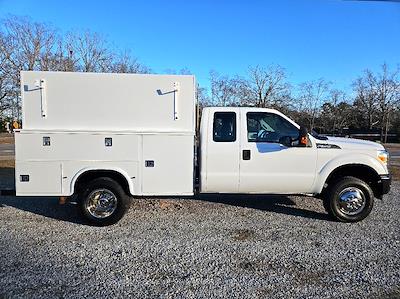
{"x":349,"y":199}
{"x":103,"y":201}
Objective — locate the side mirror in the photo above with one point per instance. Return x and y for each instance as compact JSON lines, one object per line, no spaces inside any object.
{"x":286,"y":141}
{"x":303,"y":136}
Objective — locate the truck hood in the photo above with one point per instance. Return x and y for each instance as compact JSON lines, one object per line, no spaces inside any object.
{"x":351,"y":143}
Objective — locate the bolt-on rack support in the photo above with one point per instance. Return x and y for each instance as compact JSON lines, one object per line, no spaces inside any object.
{"x":41,"y":85}
{"x":176,"y":91}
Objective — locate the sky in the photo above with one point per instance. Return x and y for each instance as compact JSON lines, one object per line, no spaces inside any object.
{"x":333,"y":39}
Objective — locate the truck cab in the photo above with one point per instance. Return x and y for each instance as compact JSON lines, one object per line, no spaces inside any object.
{"x":246,"y":153}
{"x":257,"y":150}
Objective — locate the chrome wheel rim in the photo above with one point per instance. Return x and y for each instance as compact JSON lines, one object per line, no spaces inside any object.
{"x":101,"y":203}
{"x":352,"y":201}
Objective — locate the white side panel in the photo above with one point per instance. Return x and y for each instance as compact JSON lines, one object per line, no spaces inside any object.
{"x":53,"y":168}
{"x":76,"y":112}
{"x":108,"y":102}
{"x":44,"y":178}
{"x":172,"y":172}
{"x":77,"y":146}
{"x":271,"y":164}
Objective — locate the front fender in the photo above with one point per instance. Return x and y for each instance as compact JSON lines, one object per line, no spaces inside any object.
{"x":342,"y":160}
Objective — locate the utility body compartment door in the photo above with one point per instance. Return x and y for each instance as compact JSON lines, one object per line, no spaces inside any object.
{"x":38,"y":178}
{"x":167,"y":164}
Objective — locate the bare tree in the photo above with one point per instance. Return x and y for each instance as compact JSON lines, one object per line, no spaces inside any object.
{"x":8,"y":76}
{"x":377,"y":96}
{"x":339,"y":114}
{"x":226,"y":91}
{"x":336,"y":113}
{"x":124,"y":62}
{"x":365,"y":98}
{"x":267,"y":87}
{"x":25,"y":45}
{"x":312,"y":95}
{"x":387,"y":86}
{"x":204,"y":100}
{"x":3,"y":71}
{"x":29,"y":42}
{"x":28,"y":45}
{"x":59,"y":59}
{"x":90,"y":51}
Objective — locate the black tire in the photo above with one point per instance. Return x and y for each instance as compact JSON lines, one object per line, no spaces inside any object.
{"x":334,"y":206}
{"x":109,"y":187}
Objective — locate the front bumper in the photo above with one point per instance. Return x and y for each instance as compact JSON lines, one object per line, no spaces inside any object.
{"x":384,"y":183}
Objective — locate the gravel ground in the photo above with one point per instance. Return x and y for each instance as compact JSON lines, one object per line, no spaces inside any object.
{"x":219,"y":246}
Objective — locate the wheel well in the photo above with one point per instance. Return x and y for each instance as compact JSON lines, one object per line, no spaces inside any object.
{"x":362,"y":172}
{"x":90,"y":175}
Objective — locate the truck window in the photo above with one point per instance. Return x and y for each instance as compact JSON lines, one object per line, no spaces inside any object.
{"x":269,"y":127}
{"x":224,"y":129}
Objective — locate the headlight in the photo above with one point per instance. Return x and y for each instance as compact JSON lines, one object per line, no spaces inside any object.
{"x":383,"y":156}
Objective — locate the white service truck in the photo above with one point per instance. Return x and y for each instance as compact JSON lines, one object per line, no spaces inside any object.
{"x":106,"y":137}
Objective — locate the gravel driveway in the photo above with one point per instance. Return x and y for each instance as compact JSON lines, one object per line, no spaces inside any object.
{"x":231,"y":246}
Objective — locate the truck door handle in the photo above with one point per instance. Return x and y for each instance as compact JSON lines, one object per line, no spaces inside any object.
{"x":246,"y":154}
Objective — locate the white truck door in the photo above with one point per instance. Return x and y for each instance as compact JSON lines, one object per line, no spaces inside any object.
{"x":223,"y":152}
{"x":266,"y":165}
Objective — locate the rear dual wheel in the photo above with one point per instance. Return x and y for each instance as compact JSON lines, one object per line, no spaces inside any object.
{"x":349,"y":199}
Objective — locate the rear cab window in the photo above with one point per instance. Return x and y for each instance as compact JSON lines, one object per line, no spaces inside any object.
{"x":224,"y":127}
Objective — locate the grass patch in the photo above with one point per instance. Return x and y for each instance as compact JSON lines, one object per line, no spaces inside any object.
{"x":6,"y":138}
{"x":7,"y":163}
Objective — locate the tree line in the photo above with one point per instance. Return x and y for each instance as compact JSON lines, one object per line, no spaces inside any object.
{"x":27,"y":45}
{"x":372,"y":104}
